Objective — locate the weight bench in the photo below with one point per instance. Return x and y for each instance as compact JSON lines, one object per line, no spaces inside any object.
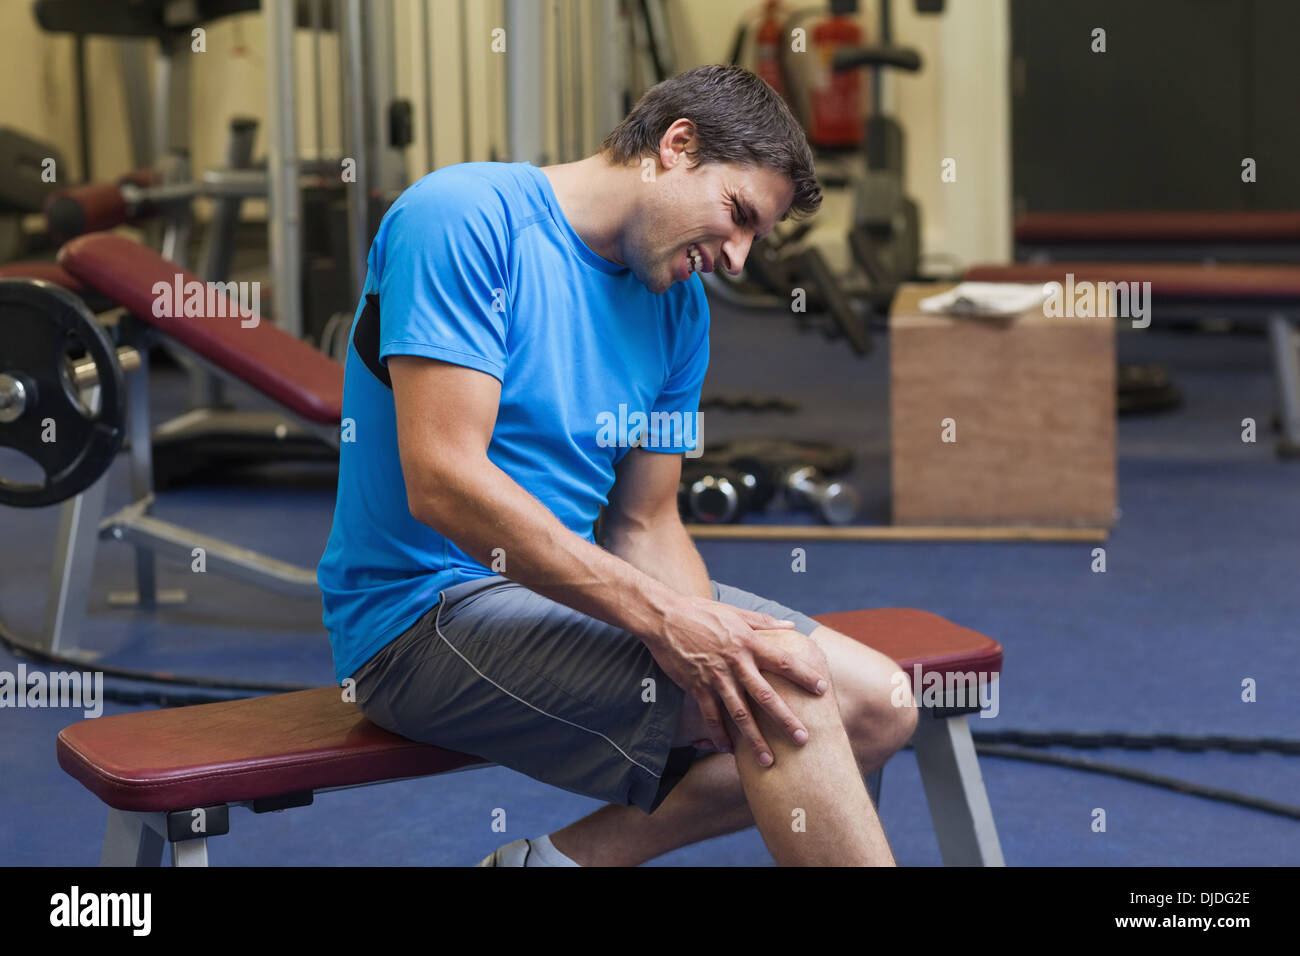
{"x":1263,"y":236}
{"x":55,"y":274}
{"x":174,"y":774}
{"x":1252,"y":293}
{"x":304,"y":386}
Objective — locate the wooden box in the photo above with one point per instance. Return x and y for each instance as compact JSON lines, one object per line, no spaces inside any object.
{"x":1030,"y":402}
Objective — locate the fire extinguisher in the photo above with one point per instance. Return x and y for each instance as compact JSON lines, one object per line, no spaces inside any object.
{"x":767,"y":46}
{"x":837,"y":100}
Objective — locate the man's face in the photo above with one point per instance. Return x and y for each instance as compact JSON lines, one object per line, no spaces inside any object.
{"x":703,"y":217}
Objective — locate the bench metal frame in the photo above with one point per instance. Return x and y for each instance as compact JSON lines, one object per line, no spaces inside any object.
{"x":82,"y":522}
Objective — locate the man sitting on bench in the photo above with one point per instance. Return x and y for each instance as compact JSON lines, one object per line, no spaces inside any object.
{"x":516,"y":321}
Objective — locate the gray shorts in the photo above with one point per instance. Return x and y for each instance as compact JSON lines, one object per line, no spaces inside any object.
{"x":501,"y":672}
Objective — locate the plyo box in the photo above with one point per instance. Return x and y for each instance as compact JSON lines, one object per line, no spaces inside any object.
{"x":1030,"y":402}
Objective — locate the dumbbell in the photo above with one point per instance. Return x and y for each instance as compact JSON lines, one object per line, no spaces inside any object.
{"x":834,"y":501}
{"x":802,"y":486}
{"x":722,"y":495}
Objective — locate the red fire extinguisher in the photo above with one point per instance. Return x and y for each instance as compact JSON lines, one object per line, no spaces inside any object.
{"x":767,"y":46}
{"x":838,"y":101}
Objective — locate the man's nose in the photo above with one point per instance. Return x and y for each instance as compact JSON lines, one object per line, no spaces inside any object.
{"x":734,"y":252}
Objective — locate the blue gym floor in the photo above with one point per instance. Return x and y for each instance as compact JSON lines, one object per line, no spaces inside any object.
{"x":1194,"y":601}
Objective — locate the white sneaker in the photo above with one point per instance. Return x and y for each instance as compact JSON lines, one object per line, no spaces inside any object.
{"x":512,"y":854}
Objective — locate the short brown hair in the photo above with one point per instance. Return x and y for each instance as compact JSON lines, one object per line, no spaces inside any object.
{"x":738,"y":119}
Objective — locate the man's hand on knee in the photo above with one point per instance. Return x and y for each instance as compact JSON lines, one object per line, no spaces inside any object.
{"x":716,"y":653}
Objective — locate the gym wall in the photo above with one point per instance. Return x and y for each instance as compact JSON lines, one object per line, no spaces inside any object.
{"x":37,"y":75}
{"x":956,"y":107}
{"x":1164,"y":117}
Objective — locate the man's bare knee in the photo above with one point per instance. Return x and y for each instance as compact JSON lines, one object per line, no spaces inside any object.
{"x":796,"y":648}
{"x":880,"y":720}
{"x":815,"y":711}
{"x":809,"y":707}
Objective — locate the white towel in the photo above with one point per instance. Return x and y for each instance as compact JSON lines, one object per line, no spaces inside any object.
{"x":987,"y":299}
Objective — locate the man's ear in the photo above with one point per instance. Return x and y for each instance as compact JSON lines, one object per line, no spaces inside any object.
{"x":676,"y":141}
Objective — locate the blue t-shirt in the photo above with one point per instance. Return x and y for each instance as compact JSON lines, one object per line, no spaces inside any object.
{"x":476,"y":265}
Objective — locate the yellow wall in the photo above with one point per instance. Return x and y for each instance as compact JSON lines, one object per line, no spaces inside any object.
{"x":36,"y":74}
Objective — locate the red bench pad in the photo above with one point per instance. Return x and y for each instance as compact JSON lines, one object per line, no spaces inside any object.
{"x":270,"y":360}
{"x":240,"y":750}
{"x":1160,"y":226}
{"x":1169,"y":280}
{"x":914,"y":637}
{"x":208,"y":754}
{"x":48,"y":271}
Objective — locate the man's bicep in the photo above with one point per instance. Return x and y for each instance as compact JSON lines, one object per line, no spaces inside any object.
{"x":645,"y":487}
{"x":445,"y":417}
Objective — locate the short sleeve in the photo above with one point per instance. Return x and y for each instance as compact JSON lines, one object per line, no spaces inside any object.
{"x":442,"y":280}
{"x":675,"y":422}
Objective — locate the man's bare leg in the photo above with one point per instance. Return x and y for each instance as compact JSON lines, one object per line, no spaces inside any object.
{"x":811,"y":805}
{"x":710,"y":800}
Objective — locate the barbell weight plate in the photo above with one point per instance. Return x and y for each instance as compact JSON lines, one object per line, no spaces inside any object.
{"x":39,"y":323}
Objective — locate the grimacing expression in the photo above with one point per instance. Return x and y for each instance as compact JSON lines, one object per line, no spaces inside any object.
{"x":703,"y":218}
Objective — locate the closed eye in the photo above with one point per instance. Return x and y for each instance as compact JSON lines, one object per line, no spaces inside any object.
{"x":739,"y":216}
{"x":744,"y":215}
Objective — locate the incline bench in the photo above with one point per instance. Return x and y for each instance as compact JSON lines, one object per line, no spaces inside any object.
{"x":1267,"y":293}
{"x":304,"y":385}
{"x":173,"y":774}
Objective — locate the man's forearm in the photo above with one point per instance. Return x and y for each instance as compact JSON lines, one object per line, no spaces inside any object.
{"x":483,"y":509}
{"x":663,"y":550}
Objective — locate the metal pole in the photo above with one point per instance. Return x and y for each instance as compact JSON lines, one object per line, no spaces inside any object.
{"x":878,"y":73}
{"x":162,"y":104}
{"x":176,"y":233}
{"x":316,"y":13}
{"x":493,"y":92}
{"x":72,"y":569}
{"x":221,"y":236}
{"x":132,"y":62}
{"x":284,"y":219}
{"x":577,"y":59}
{"x":146,"y":576}
{"x":426,"y":44}
{"x":1286,"y":357}
{"x":206,"y":390}
{"x":340,"y":39}
{"x":352,"y":66}
{"x":83,"y":109}
{"x":464,"y":82}
{"x":611,"y":60}
{"x":525,"y":106}
{"x":388,"y":172}
{"x":558,"y":53}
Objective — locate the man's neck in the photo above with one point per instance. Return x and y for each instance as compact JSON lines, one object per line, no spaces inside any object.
{"x":595,"y":198}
